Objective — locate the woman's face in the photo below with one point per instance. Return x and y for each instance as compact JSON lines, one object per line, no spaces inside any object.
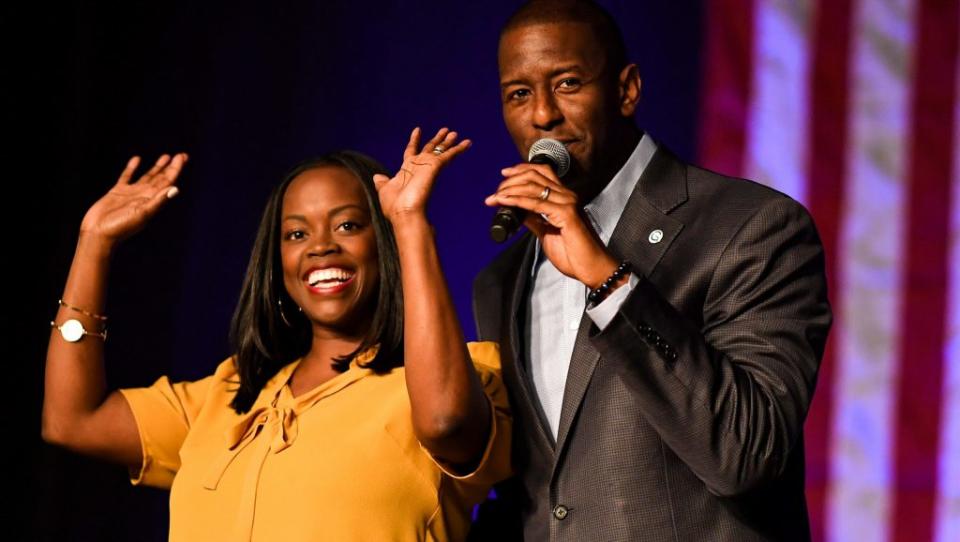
{"x":328,"y":250}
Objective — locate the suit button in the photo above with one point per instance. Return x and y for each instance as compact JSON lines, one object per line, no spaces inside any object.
{"x":560,"y":511}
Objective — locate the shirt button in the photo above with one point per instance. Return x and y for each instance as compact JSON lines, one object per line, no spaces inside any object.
{"x":560,"y":512}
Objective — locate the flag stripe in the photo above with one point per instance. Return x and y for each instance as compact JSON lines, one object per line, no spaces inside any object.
{"x":870,"y":267}
{"x":827,"y":172}
{"x":851,"y":106}
{"x":924,"y":281}
{"x":947,"y":519}
{"x":728,"y":75}
{"x":777,"y":129}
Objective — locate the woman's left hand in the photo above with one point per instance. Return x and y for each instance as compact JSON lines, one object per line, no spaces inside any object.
{"x":407,"y":192}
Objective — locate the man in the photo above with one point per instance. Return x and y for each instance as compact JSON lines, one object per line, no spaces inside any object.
{"x":671,"y":406}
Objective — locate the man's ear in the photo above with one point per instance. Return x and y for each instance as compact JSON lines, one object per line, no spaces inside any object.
{"x":629,"y":88}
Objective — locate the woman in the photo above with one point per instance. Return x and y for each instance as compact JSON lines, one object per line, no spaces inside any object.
{"x":334,"y":420}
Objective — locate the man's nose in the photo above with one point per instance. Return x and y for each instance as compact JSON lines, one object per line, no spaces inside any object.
{"x":546,"y":112}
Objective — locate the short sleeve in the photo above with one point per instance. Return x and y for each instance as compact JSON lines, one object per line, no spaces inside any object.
{"x":164,"y":413}
{"x":494,"y":465}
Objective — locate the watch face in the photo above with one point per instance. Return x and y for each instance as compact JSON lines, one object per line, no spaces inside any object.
{"x":72,"y":331}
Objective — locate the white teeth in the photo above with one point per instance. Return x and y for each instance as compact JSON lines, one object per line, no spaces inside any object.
{"x":331,"y":275}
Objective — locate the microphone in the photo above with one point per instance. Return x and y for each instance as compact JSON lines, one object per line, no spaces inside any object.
{"x":545,"y":151}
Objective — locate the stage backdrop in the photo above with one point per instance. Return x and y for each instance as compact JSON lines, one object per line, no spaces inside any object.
{"x":848,"y":106}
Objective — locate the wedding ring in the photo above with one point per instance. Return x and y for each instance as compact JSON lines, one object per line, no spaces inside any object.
{"x":545,"y":194}
{"x":438,"y":150}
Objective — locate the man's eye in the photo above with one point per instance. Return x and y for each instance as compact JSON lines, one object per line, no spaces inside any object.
{"x":518,"y":94}
{"x":569,"y":83}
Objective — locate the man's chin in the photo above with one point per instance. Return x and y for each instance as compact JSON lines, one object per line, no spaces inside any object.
{"x":585,"y":186}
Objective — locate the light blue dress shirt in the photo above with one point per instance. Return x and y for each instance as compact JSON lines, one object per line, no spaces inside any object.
{"x":557,"y":302}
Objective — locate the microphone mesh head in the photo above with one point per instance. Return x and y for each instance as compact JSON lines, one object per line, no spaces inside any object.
{"x":554,"y":151}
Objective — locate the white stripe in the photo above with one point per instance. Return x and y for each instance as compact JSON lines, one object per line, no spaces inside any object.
{"x":870,"y":252}
{"x":947,"y":519}
{"x":777,"y":118}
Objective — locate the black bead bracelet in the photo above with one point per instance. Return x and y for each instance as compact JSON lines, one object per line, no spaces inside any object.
{"x":600,"y":292}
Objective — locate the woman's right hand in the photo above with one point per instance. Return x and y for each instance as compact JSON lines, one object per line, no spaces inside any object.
{"x":127,"y":207}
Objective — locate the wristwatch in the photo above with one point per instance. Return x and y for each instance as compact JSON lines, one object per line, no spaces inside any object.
{"x":72,"y":331}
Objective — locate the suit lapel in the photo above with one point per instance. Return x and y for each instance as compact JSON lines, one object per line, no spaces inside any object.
{"x":662,"y":188}
{"x":512,"y":347}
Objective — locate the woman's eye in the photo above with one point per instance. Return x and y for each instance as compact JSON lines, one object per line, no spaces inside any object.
{"x":293,"y":235}
{"x":348,"y":226}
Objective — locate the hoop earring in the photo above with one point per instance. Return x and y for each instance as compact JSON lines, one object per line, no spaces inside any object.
{"x":284,"y":316}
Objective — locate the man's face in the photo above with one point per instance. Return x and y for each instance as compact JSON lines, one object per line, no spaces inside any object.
{"x":554,"y":83}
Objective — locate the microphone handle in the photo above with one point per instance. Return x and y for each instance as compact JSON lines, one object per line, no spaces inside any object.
{"x":506,"y":222}
{"x":509,"y":219}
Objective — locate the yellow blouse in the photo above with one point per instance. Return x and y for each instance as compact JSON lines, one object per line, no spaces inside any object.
{"x":339,"y":462}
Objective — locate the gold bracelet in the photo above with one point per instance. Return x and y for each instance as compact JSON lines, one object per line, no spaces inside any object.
{"x":72,"y":331}
{"x":81,"y":311}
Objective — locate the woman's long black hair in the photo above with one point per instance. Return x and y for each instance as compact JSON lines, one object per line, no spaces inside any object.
{"x":264,"y":338}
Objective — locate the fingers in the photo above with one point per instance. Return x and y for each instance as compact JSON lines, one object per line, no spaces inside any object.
{"x":161,"y":162}
{"x":532,"y":184}
{"x":163,"y":172}
{"x":454,"y":151}
{"x":172,"y":170}
{"x":528,"y":203}
{"x":442,"y":138}
{"x":127,"y":172}
{"x":544,"y":170}
{"x":159,"y":198}
{"x":412,"y":144}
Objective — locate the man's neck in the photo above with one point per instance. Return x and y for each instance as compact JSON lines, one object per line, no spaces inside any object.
{"x":608,"y":165}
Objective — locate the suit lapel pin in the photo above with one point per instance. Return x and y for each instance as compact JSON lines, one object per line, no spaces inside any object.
{"x":655,"y":236}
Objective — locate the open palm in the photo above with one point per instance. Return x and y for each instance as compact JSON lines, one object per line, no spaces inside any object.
{"x":128,"y":206}
{"x":408,"y":190}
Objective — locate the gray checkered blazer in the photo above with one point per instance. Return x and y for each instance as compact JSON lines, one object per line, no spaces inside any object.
{"x":683,"y":419}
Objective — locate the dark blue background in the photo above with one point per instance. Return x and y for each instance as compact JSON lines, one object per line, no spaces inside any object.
{"x":248,"y":91}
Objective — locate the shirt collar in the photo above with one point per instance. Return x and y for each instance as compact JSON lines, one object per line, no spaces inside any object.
{"x":605,"y":210}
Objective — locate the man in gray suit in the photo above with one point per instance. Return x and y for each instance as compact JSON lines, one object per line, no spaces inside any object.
{"x":668,"y":404}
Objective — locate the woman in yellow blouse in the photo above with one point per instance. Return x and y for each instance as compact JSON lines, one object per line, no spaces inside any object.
{"x":349,"y":412}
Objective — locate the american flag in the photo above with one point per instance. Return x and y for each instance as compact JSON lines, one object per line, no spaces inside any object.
{"x":852,"y":108}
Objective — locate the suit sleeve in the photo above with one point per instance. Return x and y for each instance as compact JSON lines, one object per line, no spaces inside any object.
{"x":729,"y":395}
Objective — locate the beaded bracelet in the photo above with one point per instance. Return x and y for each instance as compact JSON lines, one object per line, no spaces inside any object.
{"x":601,"y":291}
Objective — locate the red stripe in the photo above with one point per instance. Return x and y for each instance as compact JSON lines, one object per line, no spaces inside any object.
{"x":728,"y":75}
{"x":925,"y":278}
{"x":827,"y":172}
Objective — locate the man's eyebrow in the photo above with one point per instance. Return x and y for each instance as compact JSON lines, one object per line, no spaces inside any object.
{"x":552,"y":74}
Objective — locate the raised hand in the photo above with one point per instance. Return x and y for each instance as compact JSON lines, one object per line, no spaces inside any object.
{"x":553,"y":215}
{"x":408,"y":191}
{"x":128,"y":206}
